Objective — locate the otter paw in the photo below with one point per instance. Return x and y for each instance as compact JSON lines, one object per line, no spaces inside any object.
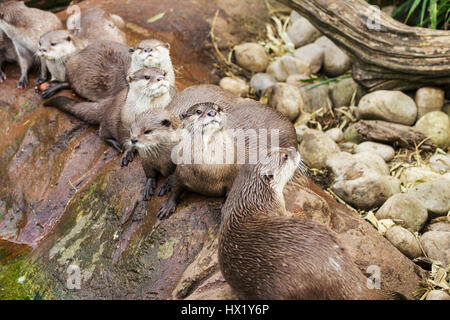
{"x":166,"y":210}
{"x":149,"y":190}
{"x":164,"y":188}
{"x":2,"y":76}
{"x":128,"y":157}
{"x":22,"y":84}
{"x":39,"y":81}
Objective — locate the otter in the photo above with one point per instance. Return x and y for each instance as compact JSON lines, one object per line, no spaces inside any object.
{"x":263,"y":254}
{"x":148,"y":88}
{"x":96,"y":24}
{"x":24,"y":26}
{"x":99,"y":70}
{"x":58,"y":46}
{"x":7,"y":53}
{"x":214,"y":172}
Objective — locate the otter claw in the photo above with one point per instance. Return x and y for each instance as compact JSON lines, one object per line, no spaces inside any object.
{"x":22,"y":84}
{"x":39,"y":81}
{"x":2,"y":77}
{"x":128,"y":157}
{"x":149,"y":190}
{"x":166,"y":210}
{"x":164,"y":188}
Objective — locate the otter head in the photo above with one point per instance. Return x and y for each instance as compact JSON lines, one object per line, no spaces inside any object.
{"x":207,"y":117}
{"x":150,"y":53}
{"x":151,"y":82}
{"x":57,"y":45}
{"x":278,"y":168}
{"x":11,"y":13}
{"x":154,"y":128}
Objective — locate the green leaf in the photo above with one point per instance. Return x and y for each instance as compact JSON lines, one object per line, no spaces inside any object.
{"x":422,"y":12}
{"x":433,"y":14}
{"x":156,"y":18}
{"x":412,"y":9}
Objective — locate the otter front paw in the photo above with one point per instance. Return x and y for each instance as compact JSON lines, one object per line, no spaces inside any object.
{"x":165,"y":188}
{"x":166,"y":210}
{"x":39,"y":81}
{"x":149,"y":190}
{"x":128,"y":157}
{"x":22,"y":84}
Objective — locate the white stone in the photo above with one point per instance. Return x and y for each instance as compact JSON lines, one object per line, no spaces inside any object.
{"x":383,"y":150}
{"x":302,"y":32}
{"x":313,"y":54}
{"x":336,"y":61}
{"x":251,"y":56}
{"x":429,"y":99}
{"x":236,"y":86}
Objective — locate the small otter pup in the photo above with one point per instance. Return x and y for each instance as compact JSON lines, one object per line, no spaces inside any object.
{"x":96,"y":24}
{"x":99,"y":70}
{"x":216,"y":156}
{"x":148,"y":88}
{"x":58,"y":46}
{"x":154,"y":134}
{"x":7,"y":53}
{"x":266,"y":255}
{"x":24,"y":26}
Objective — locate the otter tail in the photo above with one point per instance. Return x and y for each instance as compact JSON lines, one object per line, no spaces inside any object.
{"x":91,"y":112}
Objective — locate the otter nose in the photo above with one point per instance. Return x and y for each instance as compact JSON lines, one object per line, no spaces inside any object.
{"x":134,"y":140}
{"x":43,"y":50}
{"x":212,"y":113}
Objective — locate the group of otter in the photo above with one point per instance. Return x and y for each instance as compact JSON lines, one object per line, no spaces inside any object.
{"x":130,"y":94}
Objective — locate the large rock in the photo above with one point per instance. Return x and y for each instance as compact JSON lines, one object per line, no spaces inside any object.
{"x":342,"y":92}
{"x":251,"y":56}
{"x":439,"y":226}
{"x":404,"y":241}
{"x":313,"y":54}
{"x":315,"y":98}
{"x":302,"y":32}
{"x":434,"y":195}
{"x":393,"y":106}
{"x":429,"y":99}
{"x":437,"y":246}
{"x":316,"y":147}
{"x":261,"y":82}
{"x":336,"y":61}
{"x":285,"y":98}
{"x":436,"y":126}
{"x":383,"y":150}
{"x":405,"y":210}
{"x":413,"y":175}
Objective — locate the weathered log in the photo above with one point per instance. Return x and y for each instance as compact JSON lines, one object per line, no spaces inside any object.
{"x":387,"y":54}
{"x":393,"y":133}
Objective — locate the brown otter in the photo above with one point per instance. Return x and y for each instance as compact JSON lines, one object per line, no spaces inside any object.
{"x":148,"y":88}
{"x":264,"y":254}
{"x":24,"y":26}
{"x":99,"y":71}
{"x":7,"y":53}
{"x":207,"y":127}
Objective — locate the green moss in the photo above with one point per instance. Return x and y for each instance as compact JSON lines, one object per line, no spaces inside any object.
{"x":165,"y":250}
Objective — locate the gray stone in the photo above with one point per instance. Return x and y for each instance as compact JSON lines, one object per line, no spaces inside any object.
{"x":404,"y":241}
{"x":315,"y":98}
{"x":446,"y":108}
{"x":251,"y":56}
{"x":302,"y":32}
{"x":261,"y":82}
{"x":316,"y":147}
{"x":414,"y":175}
{"x":393,"y":106}
{"x":436,"y":126}
{"x":405,"y":210}
{"x":236,"y":86}
{"x":429,"y":99}
{"x":335,"y":134}
{"x":295,"y":16}
{"x":351,"y":135}
{"x":300,"y":130}
{"x":436,"y":245}
{"x":440,"y":163}
{"x":285,"y":98}
{"x":313,"y":54}
{"x":437,"y":295}
{"x":383,"y":150}
{"x":434,"y":195}
{"x":373,"y":162}
{"x":342,"y":92}
{"x":283,"y":67}
{"x":439,"y":226}
{"x":336,"y":61}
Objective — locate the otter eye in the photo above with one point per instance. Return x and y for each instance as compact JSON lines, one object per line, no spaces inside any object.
{"x":219,"y":109}
{"x":53,"y":44}
{"x":166,"y":122}
{"x":147,"y":131}
{"x":147,"y":77}
{"x":198,"y":111}
{"x":285,"y":157}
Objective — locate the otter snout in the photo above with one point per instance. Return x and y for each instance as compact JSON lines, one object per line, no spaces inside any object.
{"x":134,"y":140}
{"x":212,"y":113}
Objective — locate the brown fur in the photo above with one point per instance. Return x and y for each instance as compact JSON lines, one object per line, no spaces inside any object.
{"x":7,"y":53}
{"x":266,"y":255}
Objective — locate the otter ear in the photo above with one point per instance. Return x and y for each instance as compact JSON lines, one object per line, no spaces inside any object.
{"x":166,"y":45}
{"x":166,"y":123}
{"x":129,"y":78}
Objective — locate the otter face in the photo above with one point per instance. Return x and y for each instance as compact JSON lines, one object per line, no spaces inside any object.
{"x":204,"y":116}
{"x":151,"y":82}
{"x":56,"y":45}
{"x":151,"y":53}
{"x":154,"y":128}
{"x":280,"y":166}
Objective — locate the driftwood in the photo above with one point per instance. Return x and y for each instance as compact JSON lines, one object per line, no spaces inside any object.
{"x":393,"y":133}
{"x":386,"y":53}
